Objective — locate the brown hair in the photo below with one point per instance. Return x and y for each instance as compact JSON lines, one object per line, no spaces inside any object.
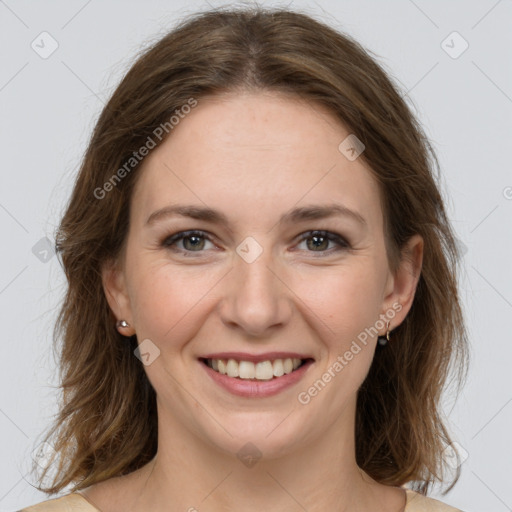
{"x":106,"y":425}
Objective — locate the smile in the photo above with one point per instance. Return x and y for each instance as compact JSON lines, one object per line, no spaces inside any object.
{"x":255,"y":379}
{"x":262,"y":370}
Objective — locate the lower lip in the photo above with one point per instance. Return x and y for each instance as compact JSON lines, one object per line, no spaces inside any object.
{"x":257,"y":388}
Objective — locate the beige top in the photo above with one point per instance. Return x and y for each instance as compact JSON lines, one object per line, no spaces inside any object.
{"x":75,"y":502}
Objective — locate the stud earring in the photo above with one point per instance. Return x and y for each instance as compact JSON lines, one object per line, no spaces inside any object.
{"x":122,"y":324}
{"x":383,"y":340}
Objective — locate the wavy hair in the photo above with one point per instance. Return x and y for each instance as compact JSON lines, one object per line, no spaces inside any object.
{"x":106,"y":425}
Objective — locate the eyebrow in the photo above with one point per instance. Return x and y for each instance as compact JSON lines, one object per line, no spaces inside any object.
{"x":303,"y":213}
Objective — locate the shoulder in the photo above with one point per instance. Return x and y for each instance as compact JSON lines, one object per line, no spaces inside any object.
{"x":72,"y":502}
{"x":418,"y":503}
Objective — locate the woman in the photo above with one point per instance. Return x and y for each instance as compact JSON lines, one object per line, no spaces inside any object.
{"x":262,"y":306}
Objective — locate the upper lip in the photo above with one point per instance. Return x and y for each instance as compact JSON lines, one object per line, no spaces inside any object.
{"x":255,"y":358}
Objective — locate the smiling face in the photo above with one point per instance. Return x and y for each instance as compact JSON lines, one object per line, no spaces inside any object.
{"x":250,"y":174}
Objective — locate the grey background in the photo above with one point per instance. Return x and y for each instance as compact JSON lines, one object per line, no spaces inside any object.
{"x":49,"y":106}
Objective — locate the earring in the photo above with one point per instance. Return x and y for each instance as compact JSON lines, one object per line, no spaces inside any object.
{"x":122,"y":324}
{"x":383,"y":340}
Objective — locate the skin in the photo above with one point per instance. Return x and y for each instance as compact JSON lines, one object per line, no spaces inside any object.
{"x":254,"y":156}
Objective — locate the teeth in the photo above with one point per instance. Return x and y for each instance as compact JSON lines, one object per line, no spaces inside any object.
{"x":278,"y":368}
{"x":222,"y":367}
{"x":232,"y":368}
{"x":264,"y":370}
{"x":247,"y":370}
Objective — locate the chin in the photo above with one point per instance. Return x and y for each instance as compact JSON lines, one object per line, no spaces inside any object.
{"x":264,"y":436}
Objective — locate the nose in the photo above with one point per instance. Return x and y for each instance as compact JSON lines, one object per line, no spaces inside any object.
{"x":257,"y":299}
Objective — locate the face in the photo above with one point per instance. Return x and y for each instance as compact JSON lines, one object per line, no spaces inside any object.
{"x":286,"y":260}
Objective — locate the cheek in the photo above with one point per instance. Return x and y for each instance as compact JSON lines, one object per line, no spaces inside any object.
{"x":345,"y":298}
{"x":166,"y":299}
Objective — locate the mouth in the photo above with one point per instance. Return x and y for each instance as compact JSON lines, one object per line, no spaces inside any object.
{"x":261,"y":370}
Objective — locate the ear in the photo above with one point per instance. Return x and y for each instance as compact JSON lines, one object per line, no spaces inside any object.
{"x":401,"y":285}
{"x":114,"y":286}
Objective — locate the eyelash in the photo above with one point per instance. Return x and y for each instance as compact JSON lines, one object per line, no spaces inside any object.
{"x":170,"y":241}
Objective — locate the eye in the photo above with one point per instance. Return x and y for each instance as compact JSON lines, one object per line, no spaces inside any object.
{"x":193,"y":241}
{"x":320,"y":241}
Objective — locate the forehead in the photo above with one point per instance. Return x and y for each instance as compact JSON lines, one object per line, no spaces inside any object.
{"x":255,"y":152}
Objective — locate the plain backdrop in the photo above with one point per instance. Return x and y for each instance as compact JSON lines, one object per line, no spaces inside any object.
{"x":452,"y":60}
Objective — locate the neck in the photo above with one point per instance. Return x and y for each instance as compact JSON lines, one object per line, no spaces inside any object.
{"x":191,"y":474}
